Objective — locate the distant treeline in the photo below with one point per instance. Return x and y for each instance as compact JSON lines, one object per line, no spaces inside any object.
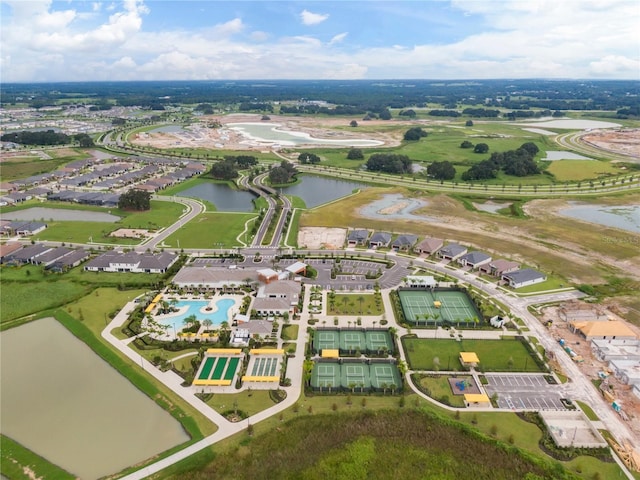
{"x":46,"y":137}
{"x":622,"y":96}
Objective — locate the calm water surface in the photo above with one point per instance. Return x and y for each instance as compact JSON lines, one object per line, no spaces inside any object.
{"x":316,"y":190}
{"x":222,"y":196}
{"x":622,"y":217}
{"x":62,"y":401}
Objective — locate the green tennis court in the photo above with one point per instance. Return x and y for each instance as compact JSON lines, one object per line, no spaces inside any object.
{"x":355,"y":375}
{"x":438,"y":306}
{"x":384,"y":376}
{"x":377,"y":341}
{"x":326,"y":340}
{"x":325,"y":375}
{"x":352,"y":340}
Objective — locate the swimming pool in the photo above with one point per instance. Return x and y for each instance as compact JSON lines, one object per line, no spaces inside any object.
{"x":196,"y":307}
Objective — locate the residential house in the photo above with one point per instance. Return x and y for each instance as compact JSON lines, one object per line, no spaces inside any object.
{"x":132,"y":262}
{"x":72,"y":259}
{"x":474,"y":259}
{"x":379,"y":239}
{"x":357,"y":237}
{"x":404,"y":242}
{"x":453,"y":251}
{"x":498,"y":267}
{"x":429,"y":246}
{"x":27,"y":254}
{"x":7,"y":249}
{"x":523,"y":278}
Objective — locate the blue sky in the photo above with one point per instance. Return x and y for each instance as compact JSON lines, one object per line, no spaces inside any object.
{"x":47,"y":40}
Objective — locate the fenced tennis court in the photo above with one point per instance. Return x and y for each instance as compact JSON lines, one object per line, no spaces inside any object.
{"x":384,"y":377}
{"x":326,"y":340}
{"x":325,"y":375}
{"x":355,"y":376}
{"x":379,"y":341}
{"x":435,"y":307}
{"x":352,"y":341}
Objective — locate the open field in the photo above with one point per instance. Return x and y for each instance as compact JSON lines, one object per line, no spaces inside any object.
{"x":211,"y":230}
{"x":542,"y":235}
{"x":576,"y":170}
{"x":249,"y":402}
{"x":371,"y":444}
{"x":354,"y":304}
{"x":495,"y":355}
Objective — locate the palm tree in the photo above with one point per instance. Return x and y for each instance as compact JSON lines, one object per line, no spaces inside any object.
{"x":345,"y":300}
{"x":190,"y":320}
{"x":360,"y":301}
{"x":207,"y":323}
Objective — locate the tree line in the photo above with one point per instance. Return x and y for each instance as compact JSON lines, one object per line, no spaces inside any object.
{"x":519,"y":163}
{"x":46,"y":137}
{"x":228,"y":168}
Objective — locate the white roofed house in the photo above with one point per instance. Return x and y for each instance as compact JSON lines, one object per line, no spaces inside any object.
{"x":474,"y":259}
{"x":420,"y":281}
{"x":207,"y":278}
{"x":132,"y":262}
{"x":522,"y":278}
{"x":277,"y":298}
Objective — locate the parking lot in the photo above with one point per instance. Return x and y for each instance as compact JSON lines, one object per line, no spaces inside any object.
{"x":524,"y":392}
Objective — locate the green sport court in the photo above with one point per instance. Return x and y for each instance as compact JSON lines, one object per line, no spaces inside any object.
{"x":217,"y":370}
{"x":436,"y":307}
{"x":350,"y":341}
{"x":355,"y":376}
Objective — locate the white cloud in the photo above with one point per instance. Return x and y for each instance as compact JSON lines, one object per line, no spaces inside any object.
{"x":310,"y":18}
{"x":614,"y":66}
{"x":338,"y":38}
{"x":259,"y":36}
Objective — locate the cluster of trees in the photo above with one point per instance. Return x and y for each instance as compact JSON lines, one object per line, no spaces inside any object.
{"x":315,"y":109}
{"x":135,"y":200}
{"x":408,"y":113}
{"x":481,"y":112}
{"x":414,"y":134}
{"x":355,"y":154}
{"x":444,"y":113}
{"x":228,"y":168}
{"x":478,"y":148}
{"x":283,"y":173}
{"x":205,"y":108}
{"x":517,"y":162}
{"x":441,"y":170}
{"x":47,"y":137}
{"x":306,"y":157}
{"x":252,"y":106}
{"x":389,"y":163}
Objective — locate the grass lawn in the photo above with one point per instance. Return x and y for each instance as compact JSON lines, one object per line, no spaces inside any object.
{"x":289,"y":332}
{"x":355,"y":304}
{"x":212,"y":230}
{"x":18,"y":462}
{"x":248,"y":401}
{"x":495,"y":355}
{"x":438,"y":388}
{"x":588,"y":411}
{"x":577,"y":170}
{"x":553,"y":282}
{"x":23,"y":298}
{"x":289,"y":347}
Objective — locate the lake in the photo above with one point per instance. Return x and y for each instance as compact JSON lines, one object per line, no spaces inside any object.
{"x":624,"y":217}
{"x":222,"y":196}
{"x":62,"y":401}
{"x":59,"y":214}
{"x":570,"y":124}
{"x":553,"y":155}
{"x":316,"y":190}
{"x":272,"y":134}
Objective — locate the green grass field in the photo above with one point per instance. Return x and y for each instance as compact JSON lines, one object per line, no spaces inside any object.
{"x":212,"y":230}
{"x":354,"y":304}
{"x":495,"y":355}
{"x":438,"y":388}
{"x":248,"y":401}
{"x":577,"y":170}
{"x":289,"y":332}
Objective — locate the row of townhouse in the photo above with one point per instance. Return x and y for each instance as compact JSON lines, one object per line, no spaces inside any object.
{"x":508,"y":271}
{"x":52,"y":258}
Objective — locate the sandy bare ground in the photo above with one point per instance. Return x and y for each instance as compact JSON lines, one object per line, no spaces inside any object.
{"x":626,"y":142}
{"x":321,"y":237}
{"x":200,"y":136}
